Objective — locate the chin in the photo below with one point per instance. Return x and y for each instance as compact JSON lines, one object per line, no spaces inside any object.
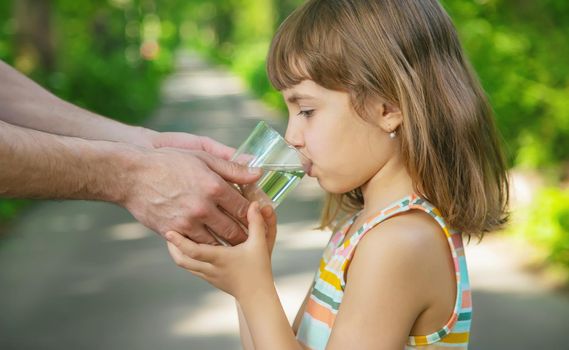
{"x":331,"y":187}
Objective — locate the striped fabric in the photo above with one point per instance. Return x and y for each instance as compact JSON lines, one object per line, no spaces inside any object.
{"x":329,"y":284}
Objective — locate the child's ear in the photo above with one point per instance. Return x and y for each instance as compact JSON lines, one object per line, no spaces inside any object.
{"x":390,"y":116}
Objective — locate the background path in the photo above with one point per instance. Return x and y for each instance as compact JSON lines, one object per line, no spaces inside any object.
{"x":85,"y":275}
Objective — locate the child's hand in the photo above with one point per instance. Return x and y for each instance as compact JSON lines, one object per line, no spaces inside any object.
{"x":235,"y":270}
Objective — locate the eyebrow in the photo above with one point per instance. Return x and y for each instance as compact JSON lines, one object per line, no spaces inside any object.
{"x":295,"y":97}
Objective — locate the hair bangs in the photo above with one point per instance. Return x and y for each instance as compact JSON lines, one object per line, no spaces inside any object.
{"x":286,"y":68}
{"x":306,"y":47}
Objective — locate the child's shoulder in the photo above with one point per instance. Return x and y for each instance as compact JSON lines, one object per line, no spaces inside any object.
{"x":411,"y":232}
{"x":411,"y":245}
{"x":404,"y":268}
{"x":411,"y":252}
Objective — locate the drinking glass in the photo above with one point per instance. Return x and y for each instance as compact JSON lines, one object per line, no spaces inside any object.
{"x":283,"y":165}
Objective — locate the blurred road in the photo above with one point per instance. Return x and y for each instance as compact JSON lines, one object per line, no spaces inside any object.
{"x":84,"y":275}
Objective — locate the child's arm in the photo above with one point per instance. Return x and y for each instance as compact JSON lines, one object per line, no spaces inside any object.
{"x":267,"y":321}
{"x":389,"y":285}
{"x":244,"y":332}
{"x":300,"y":313}
{"x":243,"y":271}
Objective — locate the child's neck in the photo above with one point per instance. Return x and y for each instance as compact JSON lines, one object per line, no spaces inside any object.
{"x":392,"y":182}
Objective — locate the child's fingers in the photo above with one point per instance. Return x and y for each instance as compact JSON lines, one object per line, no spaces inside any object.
{"x":198,"y":268}
{"x":256,"y":222}
{"x":270,"y":217}
{"x":201,"y":252}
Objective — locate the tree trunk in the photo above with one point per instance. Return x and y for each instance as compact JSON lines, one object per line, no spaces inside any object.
{"x":34,"y":42}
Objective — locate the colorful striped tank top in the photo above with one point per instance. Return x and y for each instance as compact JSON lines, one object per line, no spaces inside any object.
{"x":329,"y":284}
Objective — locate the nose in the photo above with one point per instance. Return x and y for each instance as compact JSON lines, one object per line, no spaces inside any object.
{"x":293,"y":133}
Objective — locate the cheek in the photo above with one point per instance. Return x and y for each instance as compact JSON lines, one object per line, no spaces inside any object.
{"x":323,"y":150}
{"x":335,"y":165}
{"x":334,"y":147}
{"x":347,"y":163}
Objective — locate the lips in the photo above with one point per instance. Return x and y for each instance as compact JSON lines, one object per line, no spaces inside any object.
{"x":306,"y":162}
{"x":307,"y":166}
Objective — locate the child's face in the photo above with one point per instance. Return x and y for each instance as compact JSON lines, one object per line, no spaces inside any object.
{"x":345,"y":150}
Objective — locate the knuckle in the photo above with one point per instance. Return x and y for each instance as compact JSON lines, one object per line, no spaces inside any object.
{"x":215,"y":189}
{"x":197,"y":212}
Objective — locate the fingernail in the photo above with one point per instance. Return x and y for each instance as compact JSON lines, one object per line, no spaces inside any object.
{"x":267,"y":211}
{"x":169,"y":236}
{"x":254,"y":171}
{"x":265,"y":202}
{"x":257,"y":209}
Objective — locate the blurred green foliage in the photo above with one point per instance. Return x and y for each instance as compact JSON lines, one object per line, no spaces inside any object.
{"x":9,"y":208}
{"x":106,"y":56}
{"x":521,"y":51}
{"x":110,"y":56}
{"x":546,"y":224}
{"x":237,"y":33}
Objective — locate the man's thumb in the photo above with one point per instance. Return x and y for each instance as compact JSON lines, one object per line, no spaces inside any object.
{"x":233,"y":172}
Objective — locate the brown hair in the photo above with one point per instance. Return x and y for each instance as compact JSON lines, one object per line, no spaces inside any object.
{"x":407,"y":53}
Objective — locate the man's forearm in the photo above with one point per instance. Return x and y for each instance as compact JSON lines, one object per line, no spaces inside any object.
{"x":35,"y":164}
{"x":26,"y":104}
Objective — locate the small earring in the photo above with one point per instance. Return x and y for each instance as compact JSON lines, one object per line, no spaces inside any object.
{"x":393,"y":134}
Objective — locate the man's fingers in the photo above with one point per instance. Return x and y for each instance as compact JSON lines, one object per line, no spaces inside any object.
{"x":178,"y":140}
{"x":233,"y":203}
{"x":201,"y":235}
{"x":231,"y":171}
{"x":216,"y":148}
{"x":226,"y":227}
{"x":229,"y":198}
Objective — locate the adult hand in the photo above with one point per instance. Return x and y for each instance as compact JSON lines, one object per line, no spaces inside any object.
{"x":240,"y":270}
{"x":187,"y":191}
{"x":187,"y":141}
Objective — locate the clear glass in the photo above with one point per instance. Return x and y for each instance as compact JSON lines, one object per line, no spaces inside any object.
{"x":283,"y":165}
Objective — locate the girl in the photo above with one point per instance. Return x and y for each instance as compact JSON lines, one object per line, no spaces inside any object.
{"x":383,"y":102}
